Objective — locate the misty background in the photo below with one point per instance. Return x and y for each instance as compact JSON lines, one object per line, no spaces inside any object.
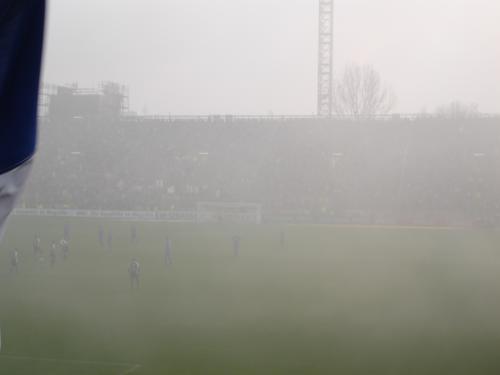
{"x":363,"y":242}
{"x":260,"y":56}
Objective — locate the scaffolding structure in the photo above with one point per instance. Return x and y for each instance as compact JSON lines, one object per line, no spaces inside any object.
{"x":325,"y":58}
{"x":114,"y":96}
{"x":109,"y":99}
{"x":45,"y":93}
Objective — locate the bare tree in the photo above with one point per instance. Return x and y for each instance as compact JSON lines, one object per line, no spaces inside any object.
{"x":361,"y":93}
{"x":458,"y":109}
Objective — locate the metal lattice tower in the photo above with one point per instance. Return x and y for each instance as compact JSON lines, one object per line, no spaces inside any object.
{"x":325,"y":58}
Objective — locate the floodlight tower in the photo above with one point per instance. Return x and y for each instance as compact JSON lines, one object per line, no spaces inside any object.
{"x":325,"y":58}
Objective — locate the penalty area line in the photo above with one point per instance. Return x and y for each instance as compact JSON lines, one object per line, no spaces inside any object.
{"x":130,"y":367}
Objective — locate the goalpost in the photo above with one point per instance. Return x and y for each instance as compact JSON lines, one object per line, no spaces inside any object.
{"x":220,"y":212}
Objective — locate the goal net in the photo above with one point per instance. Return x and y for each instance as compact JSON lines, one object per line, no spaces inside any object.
{"x":223,"y":212}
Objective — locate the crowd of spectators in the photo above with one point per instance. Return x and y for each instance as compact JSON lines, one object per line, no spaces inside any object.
{"x":411,"y":171}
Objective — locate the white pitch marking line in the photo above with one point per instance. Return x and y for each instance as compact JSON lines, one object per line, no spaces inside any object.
{"x":131,"y":370}
{"x":77,"y":362}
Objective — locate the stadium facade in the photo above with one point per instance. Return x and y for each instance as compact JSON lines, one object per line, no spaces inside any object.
{"x":411,"y":169}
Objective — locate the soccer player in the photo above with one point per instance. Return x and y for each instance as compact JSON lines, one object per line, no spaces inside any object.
{"x":52,"y":254}
{"x":282,"y":239}
{"x":110,"y":240}
{"x":64,"y":248}
{"x":14,"y":261}
{"x":101,"y":235}
{"x":21,"y":39}
{"x":133,"y":234}
{"x":66,"y":231}
{"x":168,"y":252}
{"x":37,"y":248}
{"x":236,"y":245}
{"x":134,"y":270}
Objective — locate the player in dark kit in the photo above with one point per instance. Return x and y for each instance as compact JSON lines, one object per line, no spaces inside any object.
{"x":133,"y":234}
{"x":110,"y":240}
{"x":236,"y":245}
{"x":21,"y":40}
{"x":37,"y":247}
{"x":14,"y":261}
{"x":101,"y":236}
{"x":134,"y":271}
{"x":64,"y":248}
{"x":66,"y":231}
{"x":168,"y":252}
{"x":282,"y":239}
{"x":52,"y":255}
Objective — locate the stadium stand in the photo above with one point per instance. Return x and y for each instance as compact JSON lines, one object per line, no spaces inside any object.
{"x":418,"y":171}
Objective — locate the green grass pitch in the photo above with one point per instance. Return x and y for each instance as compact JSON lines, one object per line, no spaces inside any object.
{"x":346,"y":301}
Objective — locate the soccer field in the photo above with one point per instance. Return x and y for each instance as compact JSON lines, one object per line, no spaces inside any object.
{"x":346,"y":301}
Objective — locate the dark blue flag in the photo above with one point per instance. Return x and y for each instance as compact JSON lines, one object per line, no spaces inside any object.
{"x":21,"y":39}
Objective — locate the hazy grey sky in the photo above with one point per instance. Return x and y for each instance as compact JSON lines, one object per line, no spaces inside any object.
{"x":259,"y":56}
